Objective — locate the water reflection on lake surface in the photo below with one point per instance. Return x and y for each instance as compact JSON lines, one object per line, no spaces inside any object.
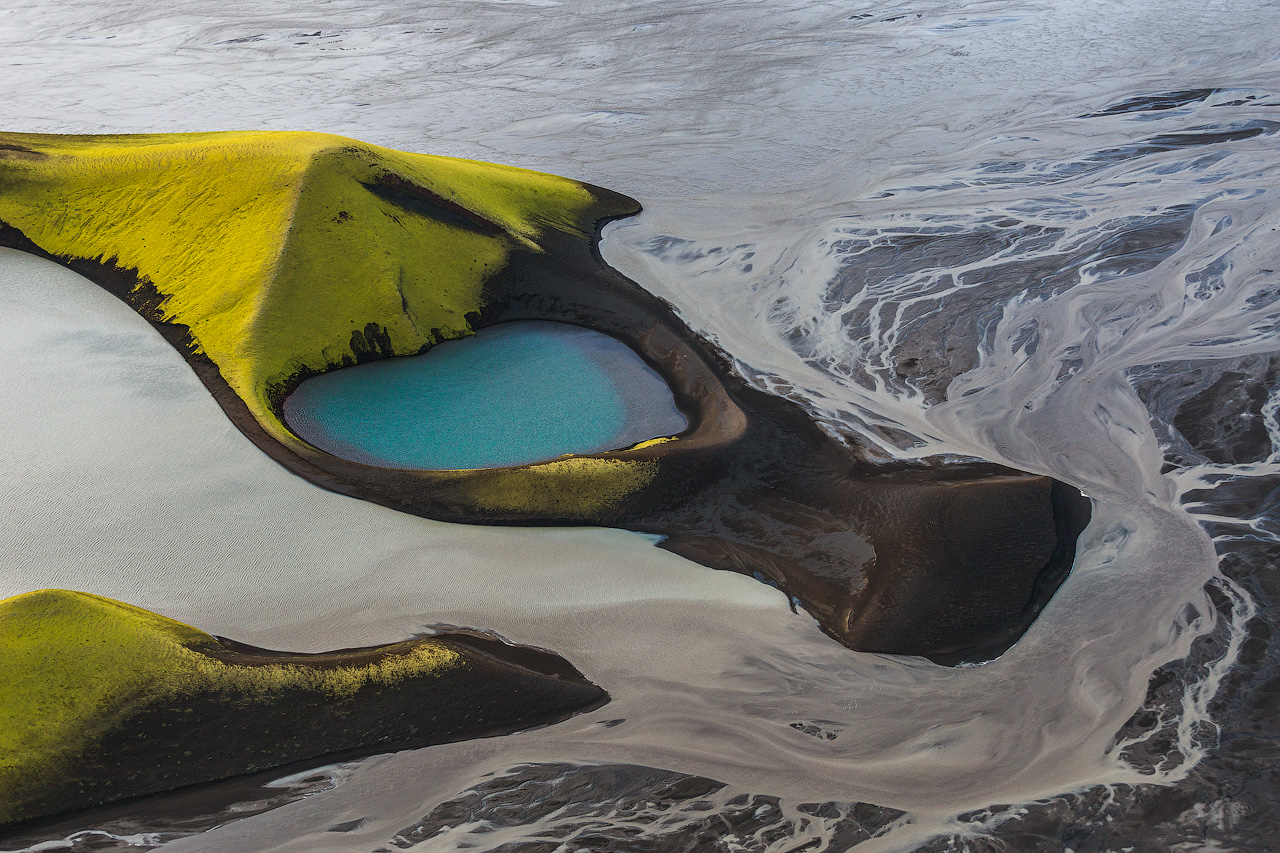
{"x":1040,"y":232}
{"x":512,"y":394}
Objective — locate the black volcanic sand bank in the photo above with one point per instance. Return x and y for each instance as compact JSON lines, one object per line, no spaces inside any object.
{"x":952,"y":562}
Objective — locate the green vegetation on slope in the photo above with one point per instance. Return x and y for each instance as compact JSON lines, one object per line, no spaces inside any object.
{"x":275,"y":248}
{"x":74,"y":665}
{"x":288,"y":254}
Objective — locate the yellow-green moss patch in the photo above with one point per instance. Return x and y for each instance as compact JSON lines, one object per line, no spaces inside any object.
{"x":288,"y":254}
{"x":72,"y":665}
{"x":274,"y":248}
{"x":571,"y":487}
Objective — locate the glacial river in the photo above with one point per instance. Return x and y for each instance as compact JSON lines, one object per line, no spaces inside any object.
{"x":1044,"y":233}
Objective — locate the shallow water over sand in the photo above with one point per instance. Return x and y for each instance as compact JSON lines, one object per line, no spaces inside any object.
{"x":512,"y":394}
{"x":1034,"y":232}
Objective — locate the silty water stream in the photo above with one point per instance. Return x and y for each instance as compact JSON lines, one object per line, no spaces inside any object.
{"x":1041,"y":233}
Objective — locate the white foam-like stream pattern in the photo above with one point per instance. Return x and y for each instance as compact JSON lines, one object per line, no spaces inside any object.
{"x":969,"y":229}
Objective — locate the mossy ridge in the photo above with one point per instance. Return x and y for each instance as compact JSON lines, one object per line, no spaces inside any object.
{"x":569,"y":487}
{"x":276,"y":249}
{"x":74,"y":665}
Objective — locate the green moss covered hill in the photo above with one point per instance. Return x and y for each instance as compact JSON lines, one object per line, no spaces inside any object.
{"x":277,"y":249}
{"x":272,"y":256}
{"x":100,"y":700}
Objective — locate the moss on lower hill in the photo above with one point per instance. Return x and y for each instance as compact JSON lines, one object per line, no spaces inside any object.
{"x":100,"y":700}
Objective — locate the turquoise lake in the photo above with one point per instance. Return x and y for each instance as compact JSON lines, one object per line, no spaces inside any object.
{"x":514,"y":393}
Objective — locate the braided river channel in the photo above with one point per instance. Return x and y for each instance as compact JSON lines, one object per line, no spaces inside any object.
{"x":1044,"y":233}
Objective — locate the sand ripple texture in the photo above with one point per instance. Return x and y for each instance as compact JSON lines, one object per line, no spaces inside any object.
{"x":1041,"y":233}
